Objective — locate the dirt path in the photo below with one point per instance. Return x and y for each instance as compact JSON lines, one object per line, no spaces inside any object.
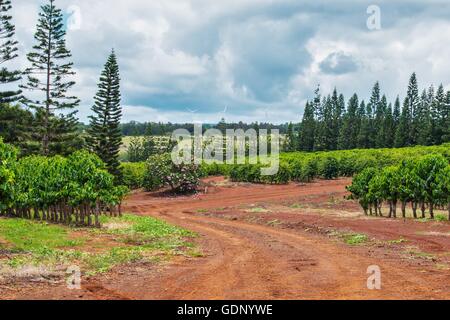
{"x":250,"y":261}
{"x":247,"y":261}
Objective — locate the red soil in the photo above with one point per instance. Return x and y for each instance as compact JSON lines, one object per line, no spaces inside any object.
{"x":297,"y":259}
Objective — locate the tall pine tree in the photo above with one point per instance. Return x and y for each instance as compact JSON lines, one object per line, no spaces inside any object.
{"x":412,"y":102}
{"x":364,"y":140}
{"x":380,"y":118}
{"x":437,"y":115}
{"x":389,"y":128}
{"x":402,"y":135}
{"x":348,"y":136}
{"x":308,"y":128}
{"x":291,"y":140}
{"x":424,"y":119}
{"x":105,"y":136}
{"x":446,"y":119}
{"x":48,"y":72}
{"x":8,"y":52}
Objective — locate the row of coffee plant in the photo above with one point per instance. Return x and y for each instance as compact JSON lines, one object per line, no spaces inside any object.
{"x":424,"y":183}
{"x":73,"y":190}
{"x":305,"y":167}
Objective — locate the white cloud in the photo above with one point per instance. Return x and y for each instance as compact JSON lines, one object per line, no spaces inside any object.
{"x":253,"y":55}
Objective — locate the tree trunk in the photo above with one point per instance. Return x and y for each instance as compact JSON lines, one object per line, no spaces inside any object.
{"x":404,"y":203}
{"x":380,"y":208}
{"x":414,"y":208}
{"x":432,"y":210}
{"x":395,"y":208}
{"x":423,"y":208}
{"x":97,"y":214}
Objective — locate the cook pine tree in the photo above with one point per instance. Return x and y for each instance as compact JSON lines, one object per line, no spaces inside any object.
{"x":48,"y":76}
{"x":307,"y":129}
{"x":14,"y":121}
{"x":8,"y":52}
{"x":105,"y":136}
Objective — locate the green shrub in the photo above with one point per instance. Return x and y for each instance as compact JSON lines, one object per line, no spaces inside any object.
{"x":8,"y":156}
{"x":215,"y":169}
{"x":296,"y":170}
{"x":310,"y":171}
{"x":133,"y":174}
{"x":163,"y":172}
{"x":283,"y":175}
{"x":329,"y":168}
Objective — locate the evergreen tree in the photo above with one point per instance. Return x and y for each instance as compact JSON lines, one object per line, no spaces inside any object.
{"x":446,"y":120}
{"x":402,"y":136}
{"x":14,"y":124}
{"x":423,"y":117}
{"x":290,"y":143}
{"x":375,"y":98}
{"x":348,"y":137}
{"x":105,"y":137}
{"x":437,"y":114}
{"x":337,"y":109}
{"x":380,"y":118}
{"x":8,"y":52}
{"x":413,"y":104}
{"x":320,"y":144}
{"x":421,"y":120}
{"x":364,"y":140}
{"x":389,"y":128}
{"x":396,"y":113}
{"x":328,"y":125}
{"x":308,"y":128}
{"x":48,"y":71}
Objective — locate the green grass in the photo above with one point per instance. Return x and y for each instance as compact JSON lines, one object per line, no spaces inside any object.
{"x":398,"y":241}
{"x":297,"y":206}
{"x":441,"y":218}
{"x":138,"y":239}
{"x":30,"y":236}
{"x":354,"y":239}
{"x":146,"y":231}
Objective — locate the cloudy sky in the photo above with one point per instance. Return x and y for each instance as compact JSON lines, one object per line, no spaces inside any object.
{"x":249,"y":60}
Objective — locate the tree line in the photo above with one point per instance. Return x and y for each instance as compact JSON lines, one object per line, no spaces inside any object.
{"x":138,"y":129}
{"x":329,"y":123}
{"x":39,"y":116}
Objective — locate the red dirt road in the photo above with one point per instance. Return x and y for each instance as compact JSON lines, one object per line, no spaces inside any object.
{"x":245,"y":260}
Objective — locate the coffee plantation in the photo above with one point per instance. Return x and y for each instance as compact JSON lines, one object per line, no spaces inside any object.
{"x":73,"y":190}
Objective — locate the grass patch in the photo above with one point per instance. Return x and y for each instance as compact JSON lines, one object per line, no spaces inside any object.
{"x":145,"y":231}
{"x":441,"y":218}
{"x":398,"y":241}
{"x":297,"y":206}
{"x":354,"y":239}
{"x":420,"y":254}
{"x":138,"y":239}
{"x":30,"y":236}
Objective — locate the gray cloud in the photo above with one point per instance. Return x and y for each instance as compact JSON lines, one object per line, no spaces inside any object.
{"x":251,"y":55}
{"x":338,"y":63}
